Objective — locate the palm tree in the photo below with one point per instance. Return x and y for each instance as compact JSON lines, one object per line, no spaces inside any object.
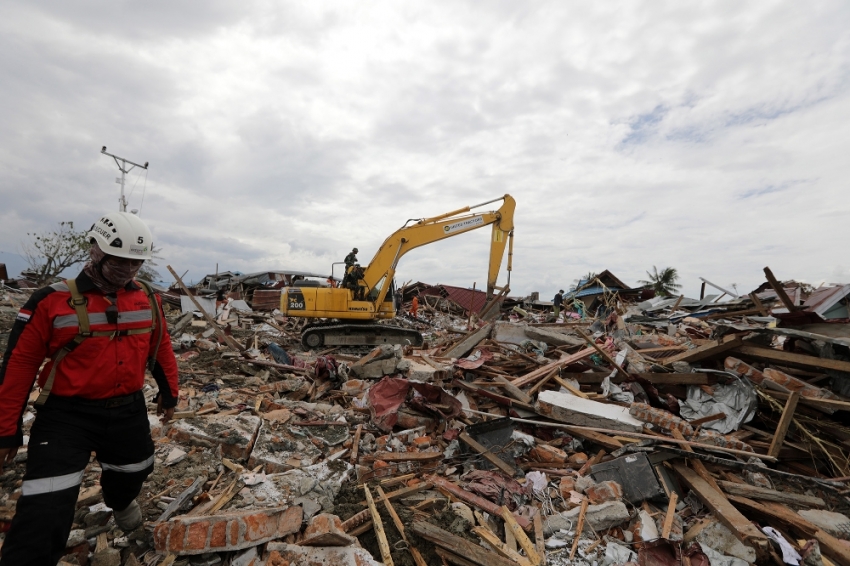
{"x":585,"y":279}
{"x":664,"y":281}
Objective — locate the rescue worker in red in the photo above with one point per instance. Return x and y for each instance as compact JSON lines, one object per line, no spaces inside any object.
{"x":100,"y":331}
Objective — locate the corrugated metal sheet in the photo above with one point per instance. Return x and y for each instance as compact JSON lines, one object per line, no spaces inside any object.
{"x":824,"y":299}
{"x":266,"y":299}
{"x":463,"y":297}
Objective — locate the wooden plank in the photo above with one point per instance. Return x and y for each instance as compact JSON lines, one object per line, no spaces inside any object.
{"x":450,"y":557}
{"x":830,"y":546}
{"x":764,"y":494}
{"x":579,"y":528}
{"x":406,"y":456}
{"x":823,"y":405}
{"x":471,"y":498}
{"x":355,"y":444}
{"x":405,"y":491}
{"x":520,"y":536}
{"x":181,"y":499}
{"x":460,"y":546}
{"x":603,"y":353}
{"x":514,"y":391}
{"x":708,"y":350}
{"x":229,"y":340}
{"x":539,"y":385}
{"x":379,"y":528}
{"x":729,"y":314}
{"x":609,"y":442}
{"x":596,"y":378}
{"x":490,"y":538}
{"x":488,"y":455}
{"x":784,"y":423}
{"x":539,"y":539}
{"x":780,"y":291}
{"x":570,"y":387}
{"x":414,"y":552}
{"x":697,"y":465}
{"x":469,"y":341}
{"x":708,"y":419}
{"x":662,"y":438}
{"x":725,"y":512}
{"x":772,"y":355}
{"x":538,"y":373}
{"x":592,"y":462}
{"x":759,"y":306}
{"x":671,"y":514}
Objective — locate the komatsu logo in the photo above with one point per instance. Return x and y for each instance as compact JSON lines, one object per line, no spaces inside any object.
{"x":464,"y":224}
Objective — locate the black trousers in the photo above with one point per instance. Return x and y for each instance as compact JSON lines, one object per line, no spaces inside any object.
{"x":65,"y":433}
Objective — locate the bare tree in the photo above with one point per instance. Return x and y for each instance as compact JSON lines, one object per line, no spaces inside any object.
{"x":147,"y":271}
{"x":50,"y":253}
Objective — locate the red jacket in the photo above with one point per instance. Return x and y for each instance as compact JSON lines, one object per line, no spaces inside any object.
{"x":99,"y":368}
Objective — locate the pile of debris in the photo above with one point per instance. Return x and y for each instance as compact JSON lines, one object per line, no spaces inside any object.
{"x":667,"y":431}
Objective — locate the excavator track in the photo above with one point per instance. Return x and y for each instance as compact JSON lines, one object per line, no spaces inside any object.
{"x":342,"y":334}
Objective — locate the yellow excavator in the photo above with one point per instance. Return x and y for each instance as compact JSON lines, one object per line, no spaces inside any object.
{"x":351,"y":311}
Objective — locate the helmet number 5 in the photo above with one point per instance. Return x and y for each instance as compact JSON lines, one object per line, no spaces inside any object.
{"x":141,"y":240}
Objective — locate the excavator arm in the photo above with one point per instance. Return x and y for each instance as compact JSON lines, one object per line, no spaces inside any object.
{"x":428,"y":230}
{"x":350,"y":317}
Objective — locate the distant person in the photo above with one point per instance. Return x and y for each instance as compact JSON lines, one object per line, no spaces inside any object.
{"x":351,"y":260}
{"x":414,"y":306}
{"x":558,"y":301}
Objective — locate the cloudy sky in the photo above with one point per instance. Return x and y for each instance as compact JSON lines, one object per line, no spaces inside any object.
{"x":707,"y":136}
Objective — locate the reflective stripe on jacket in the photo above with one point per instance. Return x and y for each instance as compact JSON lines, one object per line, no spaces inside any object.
{"x":100,"y":367}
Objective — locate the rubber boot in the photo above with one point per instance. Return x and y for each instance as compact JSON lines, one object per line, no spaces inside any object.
{"x":130,"y":518}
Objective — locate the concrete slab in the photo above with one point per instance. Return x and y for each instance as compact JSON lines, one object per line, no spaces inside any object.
{"x":319,"y":483}
{"x":570,"y":409}
{"x":296,"y":555}
{"x":284,"y":448}
{"x":234,"y":433}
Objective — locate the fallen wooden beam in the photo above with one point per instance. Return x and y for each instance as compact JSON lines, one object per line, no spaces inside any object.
{"x":697,"y":465}
{"x":488,"y":455}
{"x":181,"y":499}
{"x":824,"y":405}
{"x":830,"y":545}
{"x":414,"y":552}
{"x":784,"y":423}
{"x":545,"y":370}
{"x":706,"y":350}
{"x":602,"y":352}
{"x":771,"y":355}
{"x":725,"y":512}
{"x":471,"y":498}
{"x":780,"y":291}
{"x":596,"y":378}
{"x":581,"y":515}
{"x":514,"y":391}
{"x":490,"y":538}
{"x":405,"y":491}
{"x":379,"y":528}
{"x":764,"y":494}
{"x":520,"y":536}
{"x":670,"y":516}
{"x":459,"y":546}
{"x":406,"y":456}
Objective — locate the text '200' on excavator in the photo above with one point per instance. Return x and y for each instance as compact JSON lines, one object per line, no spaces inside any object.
{"x":351,"y":314}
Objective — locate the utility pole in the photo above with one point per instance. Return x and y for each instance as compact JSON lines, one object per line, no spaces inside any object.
{"x":122,"y":166}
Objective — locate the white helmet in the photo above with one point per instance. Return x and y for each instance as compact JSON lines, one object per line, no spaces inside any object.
{"x":123,"y":235}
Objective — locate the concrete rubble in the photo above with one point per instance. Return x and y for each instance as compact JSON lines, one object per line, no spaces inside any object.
{"x":631,"y":430}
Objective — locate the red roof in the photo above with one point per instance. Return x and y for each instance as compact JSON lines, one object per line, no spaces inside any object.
{"x":463,"y":297}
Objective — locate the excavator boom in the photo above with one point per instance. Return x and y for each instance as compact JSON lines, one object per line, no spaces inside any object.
{"x":374,"y":285}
